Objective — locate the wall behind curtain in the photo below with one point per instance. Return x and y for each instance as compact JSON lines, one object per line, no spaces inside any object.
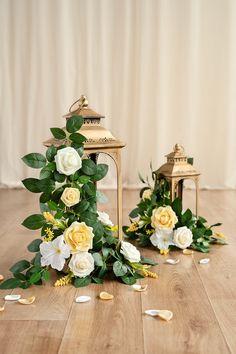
{"x":161,"y":71}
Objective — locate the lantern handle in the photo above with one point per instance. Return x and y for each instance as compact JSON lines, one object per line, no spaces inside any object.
{"x":83,"y":103}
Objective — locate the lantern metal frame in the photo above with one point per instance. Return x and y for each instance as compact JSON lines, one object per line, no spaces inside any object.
{"x":98,"y":140}
{"x":176,"y":170}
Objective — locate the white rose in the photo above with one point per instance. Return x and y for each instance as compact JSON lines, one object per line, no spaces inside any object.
{"x":147,"y":194}
{"x":68,"y":161}
{"x":183,"y":237}
{"x":81,"y":264}
{"x":70,"y":196}
{"x":130,"y":252}
{"x":104,"y":218}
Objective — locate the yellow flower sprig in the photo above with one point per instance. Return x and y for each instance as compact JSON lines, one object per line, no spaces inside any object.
{"x":149,"y":274}
{"x":64,"y":280}
{"x":49,"y":235}
{"x":56,"y":223}
{"x":133,"y":227}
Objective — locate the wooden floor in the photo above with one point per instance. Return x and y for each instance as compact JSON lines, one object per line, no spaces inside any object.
{"x":202,"y":297}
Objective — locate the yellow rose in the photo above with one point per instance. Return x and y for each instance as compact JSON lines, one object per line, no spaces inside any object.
{"x":79,"y":237}
{"x":70,"y":196}
{"x":164,"y":218}
{"x":147,"y":194}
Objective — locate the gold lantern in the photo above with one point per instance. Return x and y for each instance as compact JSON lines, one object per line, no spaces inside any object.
{"x":176,"y":170}
{"x":98,"y":140}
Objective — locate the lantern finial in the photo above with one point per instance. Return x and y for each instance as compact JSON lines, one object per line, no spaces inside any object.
{"x":178,"y":148}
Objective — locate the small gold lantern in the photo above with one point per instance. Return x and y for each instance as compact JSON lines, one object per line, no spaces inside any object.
{"x":176,"y":170}
{"x":99,"y":140}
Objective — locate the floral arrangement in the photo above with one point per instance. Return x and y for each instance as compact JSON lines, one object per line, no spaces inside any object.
{"x":164,"y":224}
{"x":76,"y":240}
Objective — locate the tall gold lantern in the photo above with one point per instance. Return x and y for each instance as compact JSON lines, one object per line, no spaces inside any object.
{"x":176,"y":170}
{"x":98,"y":140}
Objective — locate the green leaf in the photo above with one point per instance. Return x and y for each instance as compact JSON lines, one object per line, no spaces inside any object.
{"x":74,"y":123}
{"x":217,"y":224}
{"x":134,"y":213}
{"x":58,"y":133}
{"x":36,"y":261}
{"x":187,"y":216}
{"x":84,"y":179}
{"x":146,"y":260}
{"x":101,"y":197}
{"x":80,"y":282}
{"x":90,"y":189}
{"x":47,"y":171}
{"x":129,"y":280}
{"x":119,"y":269}
{"x":52,"y":205}
{"x":45,"y":197}
{"x":177,"y":206}
{"x":77,"y":138}
{"x":11,"y":283}
{"x":34,"y":222}
{"x":34,"y":160}
{"x":31,"y":184}
{"x":97,"y":280}
{"x":19,"y":276}
{"x":50,"y":153}
{"x":46,"y":185}
{"x":20,"y":266}
{"x":97,"y":259}
{"x":34,"y":245}
{"x":88,"y":167}
{"x":82,"y":206}
{"x":35,"y":277}
{"x":100,"y":172}
{"x":59,"y":177}
{"x":45,"y":275}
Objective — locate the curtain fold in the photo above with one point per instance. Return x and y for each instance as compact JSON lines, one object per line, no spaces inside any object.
{"x":161,"y":71}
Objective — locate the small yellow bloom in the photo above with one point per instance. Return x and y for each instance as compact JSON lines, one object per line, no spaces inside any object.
{"x":220,"y":235}
{"x":113,"y":228}
{"x":150,"y":232}
{"x":49,"y":235}
{"x":63,"y":281}
{"x":149,"y":274}
{"x":49,"y":217}
{"x":133,"y":227}
{"x":164,"y":252}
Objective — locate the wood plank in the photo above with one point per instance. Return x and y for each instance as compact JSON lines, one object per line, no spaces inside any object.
{"x":17,"y":337}
{"x":107,"y":327}
{"x":194,"y":327}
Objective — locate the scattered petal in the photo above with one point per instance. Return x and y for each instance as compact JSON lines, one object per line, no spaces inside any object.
{"x":152,"y":312}
{"x":188,"y":252}
{"x":204,"y":260}
{"x":163,"y":314}
{"x":105,"y":296}
{"x":2,"y":309}
{"x":140,"y":288}
{"x":1,"y":277}
{"x":12,"y":297}
{"x":172,"y":261}
{"x":83,"y":298}
{"x":27,"y":301}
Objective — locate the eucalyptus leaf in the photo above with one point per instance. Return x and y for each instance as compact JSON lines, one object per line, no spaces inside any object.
{"x":58,"y":133}
{"x":34,"y":160}
{"x":74,"y":123}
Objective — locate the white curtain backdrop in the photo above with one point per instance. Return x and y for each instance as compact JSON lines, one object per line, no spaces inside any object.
{"x":161,"y":71}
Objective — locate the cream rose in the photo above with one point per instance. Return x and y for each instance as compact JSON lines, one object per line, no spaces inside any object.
{"x":68,"y":161}
{"x":183,"y":237}
{"x":70,"y":196}
{"x":104,"y":218}
{"x":81,"y":264}
{"x":164,"y":218}
{"x":130,"y":252}
{"x":147,"y":193}
{"x":79,"y":237}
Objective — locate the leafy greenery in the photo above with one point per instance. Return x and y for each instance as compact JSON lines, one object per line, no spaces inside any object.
{"x":140,"y":216}
{"x":56,"y":216}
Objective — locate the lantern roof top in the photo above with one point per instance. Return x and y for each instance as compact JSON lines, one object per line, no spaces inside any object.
{"x":97,"y":137}
{"x":177,"y":165}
